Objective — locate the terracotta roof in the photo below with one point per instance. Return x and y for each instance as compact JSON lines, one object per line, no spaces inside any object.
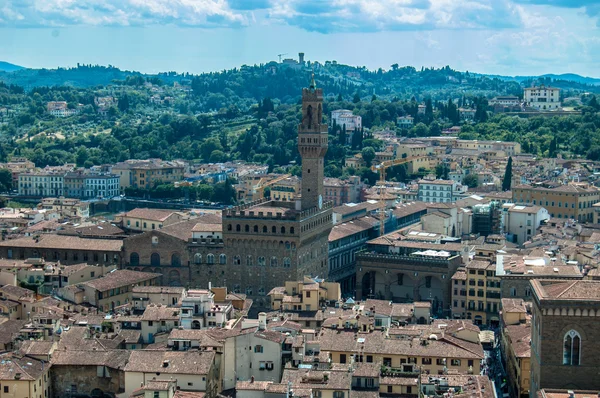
{"x":252,"y":385}
{"x":177,"y":362}
{"x":29,"y":369}
{"x":348,"y":228}
{"x":585,"y":290}
{"x":16,"y":291}
{"x":9,"y":328}
{"x":477,"y":264}
{"x":317,"y":379}
{"x":381,"y":307}
{"x":513,"y":305}
{"x":364,"y":369}
{"x":120,"y":278}
{"x":376,"y":343}
{"x":158,"y":289}
{"x":160,"y":313}
{"x":99,"y":230}
{"x":556,"y":393}
{"x":520,"y":339}
{"x":437,"y":182}
{"x":64,"y":242}
{"x":149,"y":214}
{"x":116,"y":359}
{"x":202,"y":336}
{"x":36,"y":347}
{"x":189,"y":394}
{"x":271,"y":335}
{"x":460,"y":275}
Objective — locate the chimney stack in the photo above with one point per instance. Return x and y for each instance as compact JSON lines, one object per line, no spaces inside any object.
{"x":262,"y":321}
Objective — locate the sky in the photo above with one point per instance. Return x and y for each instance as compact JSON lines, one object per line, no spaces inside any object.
{"x":507,"y":37}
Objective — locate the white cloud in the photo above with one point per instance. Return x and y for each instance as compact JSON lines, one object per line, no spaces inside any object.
{"x":121,"y":12}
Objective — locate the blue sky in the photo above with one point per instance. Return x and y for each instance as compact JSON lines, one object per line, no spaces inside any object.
{"x":509,"y":37}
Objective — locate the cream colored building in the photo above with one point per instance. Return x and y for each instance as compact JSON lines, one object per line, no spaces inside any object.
{"x":193,"y":370}
{"x":24,"y":377}
{"x":516,"y":346}
{"x":306,"y":295}
{"x":396,"y":350}
{"x":483,"y":292}
{"x":542,"y":98}
{"x":142,"y":220}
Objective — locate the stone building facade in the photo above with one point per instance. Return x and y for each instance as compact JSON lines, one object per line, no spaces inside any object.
{"x":269,"y":242}
{"x":184,"y":253}
{"x":565,"y":339}
{"x":407,"y":271}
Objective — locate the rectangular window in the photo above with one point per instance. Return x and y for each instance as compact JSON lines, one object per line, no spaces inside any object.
{"x":258,"y":348}
{"x":342,"y":358}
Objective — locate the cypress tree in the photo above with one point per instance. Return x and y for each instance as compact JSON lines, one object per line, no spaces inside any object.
{"x":506,"y":182}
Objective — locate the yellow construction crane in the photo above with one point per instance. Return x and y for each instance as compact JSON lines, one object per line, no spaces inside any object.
{"x":380,"y":168}
{"x":281,"y":55}
{"x":266,"y":182}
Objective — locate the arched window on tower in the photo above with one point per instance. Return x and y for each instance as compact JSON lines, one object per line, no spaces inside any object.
{"x":273,"y":261}
{"x":222,"y":259}
{"x":198,"y":258}
{"x":572,"y":348}
{"x":237,"y":260}
{"x":210,"y":258}
{"x":134,"y":259}
{"x":249,"y":260}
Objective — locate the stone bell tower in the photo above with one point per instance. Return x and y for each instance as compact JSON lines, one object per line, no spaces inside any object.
{"x":312,"y":145}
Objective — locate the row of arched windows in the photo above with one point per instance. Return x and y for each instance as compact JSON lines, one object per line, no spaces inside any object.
{"x":256,"y":228}
{"x":210,"y":259}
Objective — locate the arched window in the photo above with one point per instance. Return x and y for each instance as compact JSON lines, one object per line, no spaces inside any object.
{"x":249,"y":261}
{"x":237,"y":260}
{"x":291,"y":230}
{"x":175,"y":260}
{"x":222,"y":259}
{"x":264,"y":229}
{"x":238,"y":228}
{"x":286,"y":262}
{"x":229,"y":227}
{"x":134,"y":259}
{"x":210,"y":258}
{"x":247,"y":228}
{"x":274,"y":229}
{"x":261,"y":261}
{"x":198,"y":258}
{"x":155,"y":260}
{"x":572,"y":348}
{"x":273,"y":261}
{"x":256,"y":228}
{"x":283,"y":230}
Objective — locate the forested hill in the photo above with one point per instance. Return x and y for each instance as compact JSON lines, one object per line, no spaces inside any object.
{"x":285,"y":82}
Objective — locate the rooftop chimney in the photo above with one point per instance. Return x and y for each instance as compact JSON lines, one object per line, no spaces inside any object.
{"x":262,"y":321}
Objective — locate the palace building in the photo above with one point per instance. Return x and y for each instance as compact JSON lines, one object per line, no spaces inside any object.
{"x":268,"y":242}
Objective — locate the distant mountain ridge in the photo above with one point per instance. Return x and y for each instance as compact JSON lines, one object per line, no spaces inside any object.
{"x":8,"y":67}
{"x":84,"y":76}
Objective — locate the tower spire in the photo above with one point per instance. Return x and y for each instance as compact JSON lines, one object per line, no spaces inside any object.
{"x":313,"y":84}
